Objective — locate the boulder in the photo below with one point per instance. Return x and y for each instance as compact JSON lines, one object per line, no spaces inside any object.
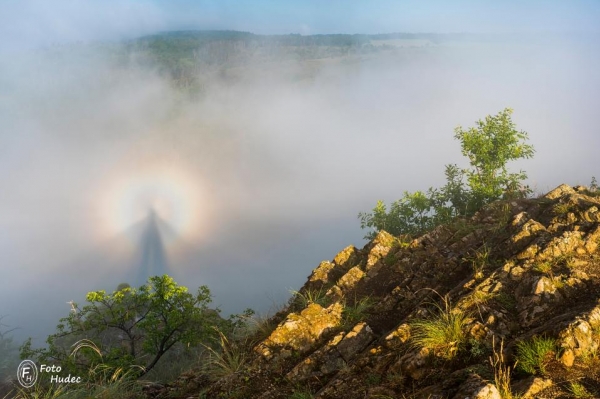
{"x":300,"y":332}
{"x":476,"y":387}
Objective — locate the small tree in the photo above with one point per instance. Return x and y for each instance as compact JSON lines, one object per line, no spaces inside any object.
{"x":130,"y":327}
{"x":489,"y":146}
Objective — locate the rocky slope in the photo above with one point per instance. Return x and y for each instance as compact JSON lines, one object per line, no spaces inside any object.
{"x":516,"y":275}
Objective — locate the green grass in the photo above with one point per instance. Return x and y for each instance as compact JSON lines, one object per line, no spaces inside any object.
{"x":260,"y":327}
{"x":102,"y":381}
{"x":444,"y":333}
{"x":461,"y":228}
{"x":579,"y":391}
{"x":480,"y":260}
{"x":119,"y":389}
{"x":230,"y":358}
{"x":301,"y":394}
{"x":306,"y":297}
{"x":372,"y":379}
{"x":477,"y":298}
{"x":39,"y":392}
{"x":391,"y":258}
{"x":532,"y":354}
{"x":352,"y":314}
{"x":506,"y":300}
{"x":401,"y":242}
{"x":562,"y":209}
{"x":502,"y":215}
{"x":543,"y":267}
{"x":118,"y":385}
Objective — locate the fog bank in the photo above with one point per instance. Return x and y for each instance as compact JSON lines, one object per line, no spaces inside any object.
{"x":261,"y":175}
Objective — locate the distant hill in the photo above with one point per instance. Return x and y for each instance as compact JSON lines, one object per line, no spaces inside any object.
{"x":184,"y":56}
{"x":190,"y":59}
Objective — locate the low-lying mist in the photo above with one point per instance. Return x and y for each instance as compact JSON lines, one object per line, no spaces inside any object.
{"x":261,"y":173}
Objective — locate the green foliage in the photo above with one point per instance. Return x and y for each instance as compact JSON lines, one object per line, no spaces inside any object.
{"x":489,"y":146}
{"x":532,"y":355}
{"x":130,"y":328}
{"x":444,"y":333}
{"x":413,"y":213}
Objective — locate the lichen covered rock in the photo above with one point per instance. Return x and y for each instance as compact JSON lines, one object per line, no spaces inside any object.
{"x":302,"y":331}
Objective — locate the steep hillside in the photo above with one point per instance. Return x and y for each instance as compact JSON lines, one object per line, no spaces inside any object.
{"x":446,"y":315}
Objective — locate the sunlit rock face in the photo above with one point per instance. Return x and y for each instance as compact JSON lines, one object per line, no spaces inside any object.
{"x":516,"y":273}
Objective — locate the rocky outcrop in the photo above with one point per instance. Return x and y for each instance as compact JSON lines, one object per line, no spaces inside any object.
{"x":337,"y":353}
{"x":515,"y":272}
{"x":331,"y":271}
{"x":300,"y":332}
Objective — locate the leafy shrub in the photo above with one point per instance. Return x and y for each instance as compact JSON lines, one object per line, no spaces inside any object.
{"x":130,"y":328}
{"x":489,"y":147}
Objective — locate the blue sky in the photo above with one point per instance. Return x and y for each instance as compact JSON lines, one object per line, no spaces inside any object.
{"x":35,"y":22}
{"x":337,"y":16}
